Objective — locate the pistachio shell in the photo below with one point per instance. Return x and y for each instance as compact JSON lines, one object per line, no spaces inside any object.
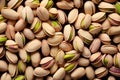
{"x":32,"y":3}
{"x":83,"y":62}
{"x":78,"y":3}
{"x":115,"y":71}
{"x":29,"y":73}
{"x":21,"y":66}
{"x":6,"y":76}
{"x":20,"y":77}
{"x":90,"y":72}
{"x":3,"y":66}
{"x":86,"y":53}
{"x":13,"y":70}
{"x":3,"y":27}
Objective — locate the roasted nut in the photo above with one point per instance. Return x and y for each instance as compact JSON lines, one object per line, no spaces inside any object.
{"x":6,"y":76}
{"x":32,"y":3}
{"x":3,"y":39}
{"x":90,"y":73}
{"x":2,"y":52}
{"x":20,"y":25}
{"x":83,"y":62}
{"x":116,"y":60}
{"x":20,"y":77}
{"x":53,"y":13}
{"x":3,"y":66}
{"x":21,"y":66}
{"x":29,"y":73}
{"x":86,"y":53}
{"x":3,"y":27}
{"x":117,"y":6}
{"x":105,"y":39}
{"x":115,"y":71}
{"x":78,"y":3}
{"x":13,"y":70}
{"x":47,"y":3}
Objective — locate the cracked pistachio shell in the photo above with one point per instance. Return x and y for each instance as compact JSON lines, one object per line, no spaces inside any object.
{"x":21,"y":66}
{"x":2,"y":52}
{"x":20,"y":39}
{"x":107,"y":60}
{"x":85,"y":36}
{"x":114,"y":18}
{"x":11,"y":46}
{"x":72,"y":16}
{"x":65,"y":5}
{"x":40,"y":35}
{"x":106,"y":7}
{"x":14,"y":4}
{"x":115,"y":71}
{"x":99,"y":17}
{"x":54,"y":51}
{"x":56,"y":39}
{"x":48,"y":29}
{"x":111,"y":78}
{"x":59,"y":58}
{"x":6,"y":76}
{"x":47,"y":3}
{"x":20,"y":25}
{"x":116,"y":39}
{"x":53,"y":13}
{"x":20,"y":77}
{"x":89,"y":7}
{"x":45,"y":48}
{"x":106,"y":25}
{"x":69,"y":67}
{"x":78,"y":44}
{"x":9,"y":14}
{"x":24,"y":56}
{"x":65,"y":46}
{"x":47,"y":62}
{"x":54,"y":68}
{"x":95,"y":28}
{"x":36,"y":25}
{"x":78,"y":73}
{"x":117,"y":6}
{"x":32,"y":3}
{"x":109,"y":49}
{"x":114,"y":30}
{"x":13,"y":70}
{"x":36,"y":45}
{"x":35,"y":59}
{"x":83,"y":62}
{"x":3,"y":27}
{"x":3,"y":39}
{"x":12,"y":58}
{"x":59,"y":74}
{"x":29,"y":73}
{"x":90,"y":74}
{"x":101,"y":72}
{"x":42,"y":13}
{"x":27,"y":14}
{"x":96,"y":1}
{"x":105,"y":39}
{"x":69,"y":33}
{"x":62,"y":17}
{"x":86,"y":52}
{"x":3,"y":66}
{"x":95,"y":45}
{"x":78,"y":3}
{"x":40,"y":72}
{"x":116,"y":60}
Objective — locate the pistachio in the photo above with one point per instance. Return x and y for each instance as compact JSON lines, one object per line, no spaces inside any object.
{"x":83,"y":62}
{"x":3,"y":39}
{"x":3,"y":27}
{"x":115,"y":71}
{"x":20,"y":25}
{"x":105,"y":39}
{"x":117,"y":6}
{"x":116,"y":39}
{"x":86,"y":53}
{"x":54,"y":68}
{"x":13,"y":70}
{"x":96,"y":1}
{"x":2,"y":52}
{"x":29,"y":73}
{"x":111,"y":78}
{"x":47,"y":3}
{"x":53,"y":13}
{"x":2,"y":19}
{"x":90,"y":73}
{"x":106,"y":25}
{"x":3,"y":66}
{"x":32,"y":3}
{"x":40,"y":35}
{"x":6,"y":76}
{"x":20,"y":77}
{"x":21,"y":66}
{"x":78,"y":3}
{"x":116,"y":60}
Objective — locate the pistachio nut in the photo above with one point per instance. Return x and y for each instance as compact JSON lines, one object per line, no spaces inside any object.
{"x":107,"y":60}
{"x":114,"y":18}
{"x":2,"y":19}
{"x":20,"y":39}
{"x":116,"y":39}
{"x":3,"y":66}
{"x":99,"y":17}
{"x":19,"y":10}
{"x":20,"y":77}
{"x":65,"y":46}
{"x":109,"y":49}
{"x":117,"y":6}
{"x":89,"y":7}
{"x":2,"y":4}
{"x":2,"y":52}
{"x":90,"y":73}
{"x":54,"y":68}
{"x":9,"y":14}
{"x":96,"y":59}
{"x":86,"y":52}
{"x":95,"y":45}
{"x":45,"y":48}
{"x":96,"y":1}
{"x":40,"y":72}
{"x":78,"y":44}
{"x":54,"y":51}
{"x":53,"y":13}
{"x":20,"y":25}
{"x":47,"y":3}
{"x":101,"y":72}
{"x":24,"y":56}
{"x":59,"y":74}
{"x":42,"y":13}
{"x":83,"y":62}
{"x":69,"y":67}
{"x":3,"y":39}
{"x":72,"y":16}
{"x":106,"y":25}
{"x":56,"y":39}
{"x":105,"y":38}
{"x":29,"y":73}
{"x":21,"y":66}
{"x":32,"y":3}
{"x":78,"y":73}
{"x":35,"y":59}
{"x":115,"y":71}
{"x":116,"y":60}
{"x":85,"y":36}
{"x":40,"y":34}
{"x":78,"y":3}
{"x":14,"y":4}
{"x":3,"y":27}
{"x":35,"y":43}
{"x":106,"y":7}
{"x":6,"y":76}
{"x":111,"y":78}
{"x":11,"y":46}
{"x":27,"y":14}
{"x":47,"y":62}
{"x":13,"y":70}
{"x":69,"y":33}
{"x":95,"y":28}
{"x":48,"y":29}
{"x":36,"y":25}
{"x":114,"y":30}
{"x":65,"y":5}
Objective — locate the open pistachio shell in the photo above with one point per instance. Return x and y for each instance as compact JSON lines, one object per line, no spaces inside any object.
{"x":117,"y":6}
{"x":13,"y":70}
{"x":116,"y":60}
{"x":32,"y":3}
{"x":47,"y":3}
{"x":115,"y":71}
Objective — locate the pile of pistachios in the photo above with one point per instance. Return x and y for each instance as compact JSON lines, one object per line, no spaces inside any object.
{"x":59,"y":39}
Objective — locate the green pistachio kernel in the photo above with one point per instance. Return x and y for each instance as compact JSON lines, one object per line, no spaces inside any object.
{"x":91,"y":27}
{"x":28,"y":58}
{"x":1,"y":18}
{"x":105,"y":62}
{"x":69,"y":67}
{"x":20,"y":77}
{"x":117,"y":5}
{"x":87,"y":41}
{"x":37,"y":26}
{"x":20,"y":66}
{"x":3,"y":40}
{"x":116,"y":62}
{"x":49,"y":4}
{"x":68,"y":56}
{"x":36,"y":1}
{"x":54,"y":23}
{"x":71,"y":35}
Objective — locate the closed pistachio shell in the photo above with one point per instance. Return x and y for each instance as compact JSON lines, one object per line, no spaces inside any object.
{"x":29,"y":73}
{"x":3,"y":66}
{"x":105,"y":39}
{"x":6,"y":76}
{"x":20,"y":25}
{"x":40,"y":35}
{"x":2,"y":52}
{"x":106,"y":25}
{"x":90,"y":72}
{"x":114,"y":30}
{"x":3,"y":27}
{"x":117,"y":6}
{"x":86,"y":53}
{"x":54,"y":68}
{"x":13,"y":70}
{"x":78,"y":3}
{"x":54,"y":51}
{"x":83,"y":62}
